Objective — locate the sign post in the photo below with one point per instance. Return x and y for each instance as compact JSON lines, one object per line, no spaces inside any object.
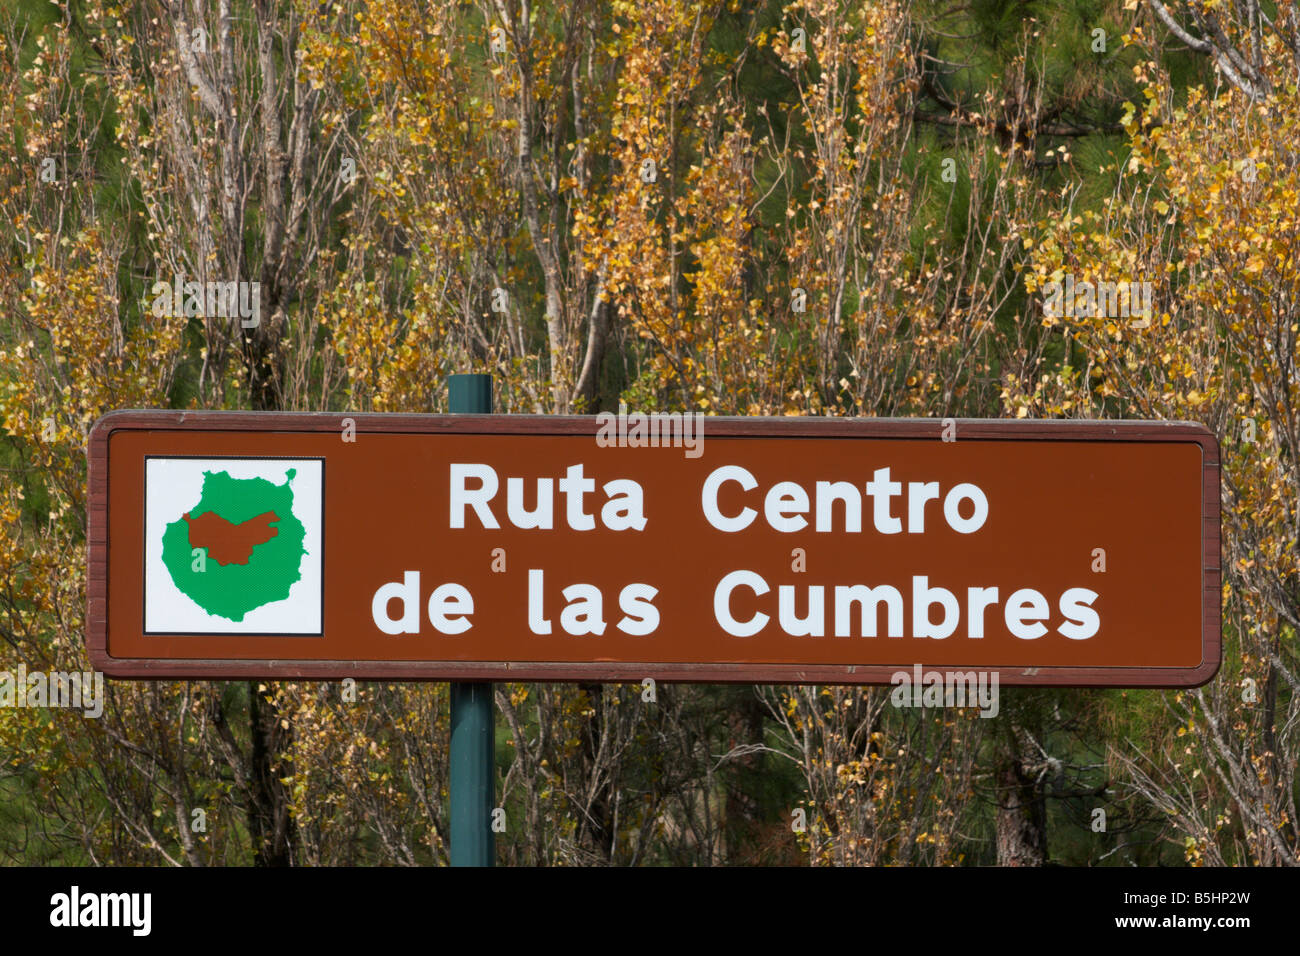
{"x":471,"y":768}
{"x":478,"y":547}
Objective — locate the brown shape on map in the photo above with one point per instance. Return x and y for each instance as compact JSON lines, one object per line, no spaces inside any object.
{"x":228,"y":543}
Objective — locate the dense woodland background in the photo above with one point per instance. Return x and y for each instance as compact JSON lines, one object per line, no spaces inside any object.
{"x":914,"y":171}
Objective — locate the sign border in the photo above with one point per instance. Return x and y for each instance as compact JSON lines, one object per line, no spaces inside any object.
{"x":969,"y":429}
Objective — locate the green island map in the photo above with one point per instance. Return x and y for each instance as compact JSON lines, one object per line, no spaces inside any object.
{"x":252,"y":545}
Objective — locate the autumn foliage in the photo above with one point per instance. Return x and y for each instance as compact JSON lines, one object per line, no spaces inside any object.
{"x":746,"y":208}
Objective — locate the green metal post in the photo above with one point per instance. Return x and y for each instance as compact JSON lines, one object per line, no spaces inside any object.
{"x":471,"y":783}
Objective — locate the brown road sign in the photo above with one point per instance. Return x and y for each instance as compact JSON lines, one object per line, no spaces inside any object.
{"x":792,"y":550}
